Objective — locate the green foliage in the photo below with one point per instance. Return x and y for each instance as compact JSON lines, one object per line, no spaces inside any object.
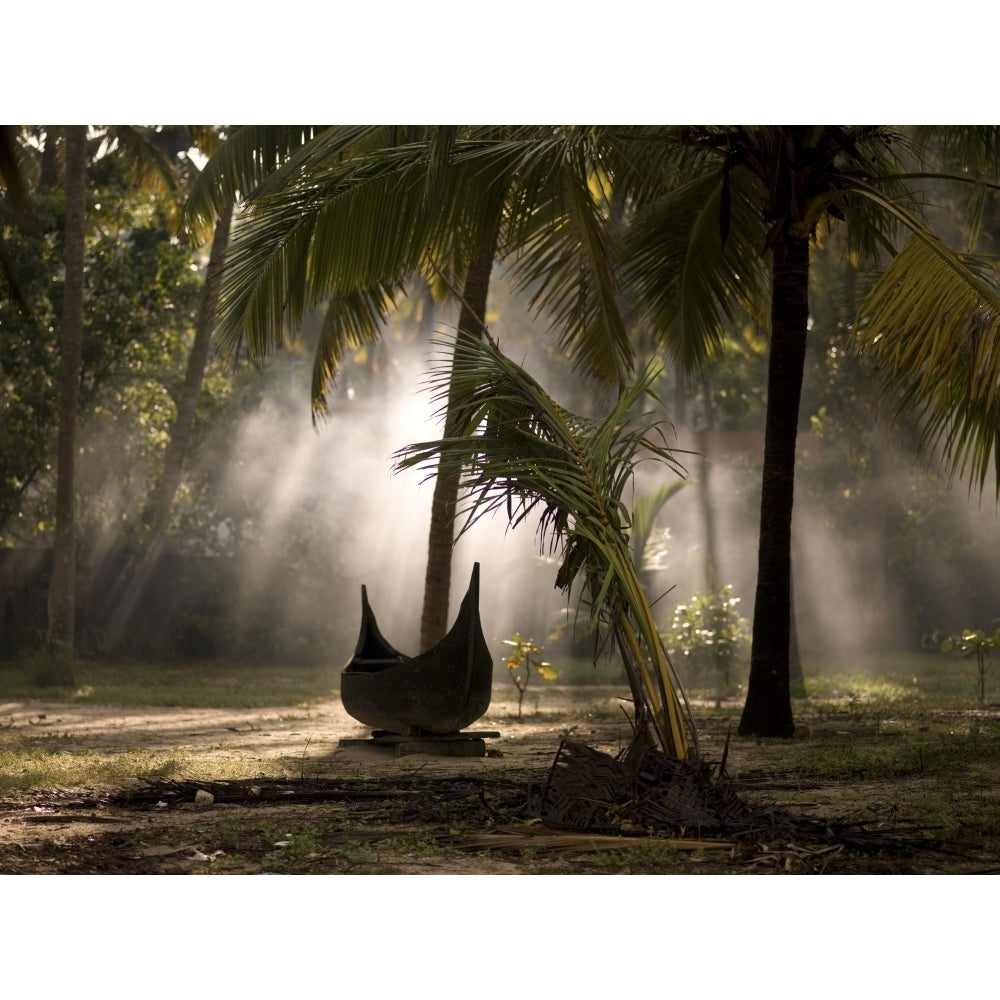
{"x":645,"y":510}
{"x":730,"y":395}
{"x":978,"y":643}
{"x":710,"y":637}
{"x":523,"y":661}
{"x":141,"y":294}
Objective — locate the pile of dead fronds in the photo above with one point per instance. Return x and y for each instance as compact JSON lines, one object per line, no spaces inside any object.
{"x":642,"y":791}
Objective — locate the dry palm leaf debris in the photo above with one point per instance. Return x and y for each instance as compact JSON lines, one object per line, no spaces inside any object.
{"x":590,"y":801}
{"x":642,"y":790}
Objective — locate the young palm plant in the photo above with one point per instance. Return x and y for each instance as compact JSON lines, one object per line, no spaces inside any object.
{"x":518,"y":452}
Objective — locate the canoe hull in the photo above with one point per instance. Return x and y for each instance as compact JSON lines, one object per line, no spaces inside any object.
{"x":438,"y":692}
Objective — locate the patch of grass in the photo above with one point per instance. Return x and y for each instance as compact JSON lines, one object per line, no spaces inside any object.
{"x":422,"y":847}
{"x":21,"y":770}
{"x":644,"y":857}
{"x":923,"y":744}
{"x":299,"y":848}
{"x":577,"y":671}
{"x":916,"y":677}
{"x":293,"y":851}
{"x":855,"y":690}
{"x":50,"y":668}
{"x":45,"y":763}
{"x":191,"y":684}
{"x":230,"y":831}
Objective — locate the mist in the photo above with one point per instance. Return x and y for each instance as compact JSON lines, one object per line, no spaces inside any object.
{"x":314,"y":512}
{"x":859,"y":585}
{"x":325,"y":501}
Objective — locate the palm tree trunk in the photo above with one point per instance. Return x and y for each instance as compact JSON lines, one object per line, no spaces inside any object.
{"x":187,"y":405}
{"x":705,"y":492}
{"x":768,"y":708}
{"x":62,"y":587}
{"x":437,"y":582}
{"x":796,"y":679}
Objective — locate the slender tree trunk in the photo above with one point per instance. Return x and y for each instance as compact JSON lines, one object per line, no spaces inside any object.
{"x":130,"y":585}
{"x":437,"y":582}
{"x":187,"y":405}
{"x":705,"y":492}
{"x":768,"y":708}
{"x":62,"y":588}
{"x":796,"y":679}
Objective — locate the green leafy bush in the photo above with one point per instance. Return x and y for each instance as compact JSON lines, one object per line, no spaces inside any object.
{"x":708,"y":637}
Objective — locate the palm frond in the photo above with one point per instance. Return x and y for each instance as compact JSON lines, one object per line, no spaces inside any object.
{"x":565,"y":260}
{"x":339,"y":233}
{"x":352,"y":321}
{"x":693,"y":284}
{"x":153,"y":170}
{"x":645,"y":511}
{"x":344,"y":216}
{"x":239,"y":165}
{"x":967,"y":431}
{"x":931,"y":325}
{"x":520,"y":454}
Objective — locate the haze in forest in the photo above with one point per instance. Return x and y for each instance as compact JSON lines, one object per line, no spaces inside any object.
{"x":884,"y":552}
{"x":327,"y":497}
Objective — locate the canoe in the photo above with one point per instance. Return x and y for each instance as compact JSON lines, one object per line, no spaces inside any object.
{"x":438,"y":692}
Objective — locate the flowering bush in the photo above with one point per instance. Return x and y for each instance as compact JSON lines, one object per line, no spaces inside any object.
{"x":708,"y":636}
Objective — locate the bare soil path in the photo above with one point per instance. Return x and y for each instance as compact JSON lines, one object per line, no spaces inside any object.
{"x":224,"y":791}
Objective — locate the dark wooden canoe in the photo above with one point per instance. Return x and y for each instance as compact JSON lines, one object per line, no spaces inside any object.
{"x":438,"y":692}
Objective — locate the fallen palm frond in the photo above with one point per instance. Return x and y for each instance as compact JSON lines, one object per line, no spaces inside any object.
{"x":519,"y":453}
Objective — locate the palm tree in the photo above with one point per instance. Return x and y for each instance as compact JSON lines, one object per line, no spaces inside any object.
{"x":729,"y":224}
{"x":945,"y":375}
{"x":352,"y":213}
{"x":170,"y":141}
{"x":518,"y":452}
{"x":187,"y":403}
{"x":723,"y":221}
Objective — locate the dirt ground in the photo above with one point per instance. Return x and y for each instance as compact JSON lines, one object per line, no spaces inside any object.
{"x":261,"y":791}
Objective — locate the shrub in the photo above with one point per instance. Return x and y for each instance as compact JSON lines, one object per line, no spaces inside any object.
{"x":707,"y":635}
